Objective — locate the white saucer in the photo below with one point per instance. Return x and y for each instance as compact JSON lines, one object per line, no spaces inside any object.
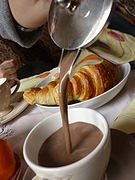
{"x":29,"y":174}
{"x":18,"y":104}
{"x":17,"y":174}
{"x":121,"y":165}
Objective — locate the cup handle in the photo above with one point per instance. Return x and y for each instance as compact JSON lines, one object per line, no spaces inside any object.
{"x":38,"y":178}
{"x":17,"y":82}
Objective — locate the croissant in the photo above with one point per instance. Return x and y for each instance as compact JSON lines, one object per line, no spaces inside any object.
{"x":88,"y":82}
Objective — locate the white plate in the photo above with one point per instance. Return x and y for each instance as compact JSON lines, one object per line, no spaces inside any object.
{"x":97,"y":101}
{"x":29,"y":174}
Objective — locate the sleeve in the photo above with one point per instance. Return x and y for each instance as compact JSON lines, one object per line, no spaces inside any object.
{"x":9,"y":30}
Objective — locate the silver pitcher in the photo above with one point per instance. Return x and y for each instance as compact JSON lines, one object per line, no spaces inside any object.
{"x":74,"y":24}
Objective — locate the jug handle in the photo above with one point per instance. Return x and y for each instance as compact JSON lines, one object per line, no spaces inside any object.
{"x":17,"y":83}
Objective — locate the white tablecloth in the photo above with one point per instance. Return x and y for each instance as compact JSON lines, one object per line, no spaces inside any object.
{"x":17,"y":130}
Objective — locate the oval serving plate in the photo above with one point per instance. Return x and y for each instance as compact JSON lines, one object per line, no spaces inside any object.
{"x":97,"y":101}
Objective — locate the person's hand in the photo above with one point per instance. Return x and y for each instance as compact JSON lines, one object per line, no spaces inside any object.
{"x":8,"y":69}
{"x":36,"y":12}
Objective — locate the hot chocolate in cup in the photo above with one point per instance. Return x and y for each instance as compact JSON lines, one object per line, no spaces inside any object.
{"x":90,"y":167}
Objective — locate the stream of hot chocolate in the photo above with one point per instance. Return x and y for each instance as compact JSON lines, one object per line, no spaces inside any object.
{"x":65,"y":71}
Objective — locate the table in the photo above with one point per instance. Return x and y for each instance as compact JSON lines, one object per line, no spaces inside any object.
{"x":16,"y":130}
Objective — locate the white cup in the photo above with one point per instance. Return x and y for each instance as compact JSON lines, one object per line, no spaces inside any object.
{"x":91,"y":167}
{"x":5,"y":95}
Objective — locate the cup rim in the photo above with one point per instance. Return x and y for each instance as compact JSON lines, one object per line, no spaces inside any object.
{"x":82,"y":161}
